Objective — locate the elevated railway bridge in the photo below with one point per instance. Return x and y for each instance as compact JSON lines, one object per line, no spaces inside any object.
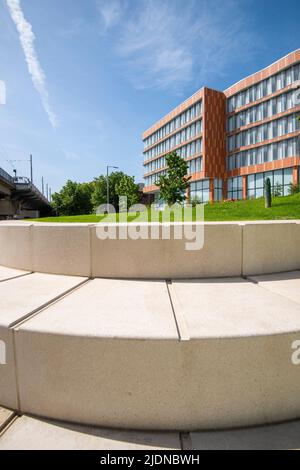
{"x":20,"y":198}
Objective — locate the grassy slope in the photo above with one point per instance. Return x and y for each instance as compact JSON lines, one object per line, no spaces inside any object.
{"x":283,"y":208}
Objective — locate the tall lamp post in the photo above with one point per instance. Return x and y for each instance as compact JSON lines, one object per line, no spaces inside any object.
{"x":107,"y":184}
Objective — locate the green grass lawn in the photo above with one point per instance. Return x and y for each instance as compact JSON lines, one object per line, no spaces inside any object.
{"x":283,"y":208}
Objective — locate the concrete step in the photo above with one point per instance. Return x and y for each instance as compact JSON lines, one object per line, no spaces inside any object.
{"x":236,"y":308}
{"x":28,"y":433}
{"x":19,"y":298}
{"x":5,"y":417}
{"x":286,"y":284}
{"x":189,"y":355}
{"x":284,"y":436}
{"x":10,"y":273}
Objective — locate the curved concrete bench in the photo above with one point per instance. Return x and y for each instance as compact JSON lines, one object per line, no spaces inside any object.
{"x":229,"y":249}
{"x":130,"y":354}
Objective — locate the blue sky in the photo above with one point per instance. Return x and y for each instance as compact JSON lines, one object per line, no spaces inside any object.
{"x":97,"y":73}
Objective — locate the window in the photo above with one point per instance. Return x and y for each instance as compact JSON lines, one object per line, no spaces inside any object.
{"x":280,"y":183}
{"x":266,"y":131}
{"x":174,"y":124}
{"x":218,"y":189}
{"x":235,"y":188}
{"x":200,"y":190}
{"x":264,"y":88}
{"x":264,"y":154}
{"x":180,"y":137}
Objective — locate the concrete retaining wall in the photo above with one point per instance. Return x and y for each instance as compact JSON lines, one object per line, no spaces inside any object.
{"x":230,"y":249}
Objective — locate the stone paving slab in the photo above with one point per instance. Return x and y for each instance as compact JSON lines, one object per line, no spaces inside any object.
{"x":28,"y":433}
{"x":285,"y":436}
{"x":233,"y":307}
{"x":32,"y":434}
{"x":9,"y":273}
{"x":5,"y":417}
{"x":285,"y":284}
{"x":109,"y":308}
{"x":24,"y":295}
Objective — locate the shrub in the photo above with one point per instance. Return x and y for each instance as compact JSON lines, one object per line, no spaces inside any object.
{"x":294,"y":189}
{"x":195,"y":201}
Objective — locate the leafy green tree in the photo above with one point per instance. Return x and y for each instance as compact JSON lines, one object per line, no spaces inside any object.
{"x":174,"y":184}
{"x":99,"y":194}
{"x":127,"y":187}
{"x":99,"y":191}
{"x":73,"y":199}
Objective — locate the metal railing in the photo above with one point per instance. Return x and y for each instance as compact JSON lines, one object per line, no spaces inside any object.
{"x":6,"y":176}
{"x":24,"y":182}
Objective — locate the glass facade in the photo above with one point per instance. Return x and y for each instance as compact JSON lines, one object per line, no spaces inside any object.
{"x":194,"y":166}
{"x":280,"y":183}
{"x":151,"y":179}
{"x":270,"y":130}
{"x":180,"y":121}
{"x":264,"y":154}
{"x":235,"y":188}
{"x":191,"y":149}
{"x":200,"y":189}
{"x":186,"y":134}
{"x":186,"y":151}
{"x":264,"y":88}
{"x":218,"y":189}
{"x":267,"y":109}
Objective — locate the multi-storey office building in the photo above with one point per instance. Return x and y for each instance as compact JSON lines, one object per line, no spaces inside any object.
{"x":233,"y":140}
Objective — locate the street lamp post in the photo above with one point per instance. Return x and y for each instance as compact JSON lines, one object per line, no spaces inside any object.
{"x":107,"y":184}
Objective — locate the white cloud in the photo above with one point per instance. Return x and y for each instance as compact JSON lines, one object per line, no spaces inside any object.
{"x":167,"y":44}
{"x":152,"y":44}
{"x":36,"y":72}
{"x":110,"y":12}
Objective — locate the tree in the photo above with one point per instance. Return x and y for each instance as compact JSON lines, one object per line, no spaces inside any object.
{"x":99,"y":195}
{"x":83,"y":198}
{"x":174,"y":184}
{"x":99,"y":191}
{"x":73,"y":199}
{"x":127,"y":187}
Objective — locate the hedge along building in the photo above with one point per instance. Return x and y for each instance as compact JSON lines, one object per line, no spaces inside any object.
{"x":233,"y":140}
